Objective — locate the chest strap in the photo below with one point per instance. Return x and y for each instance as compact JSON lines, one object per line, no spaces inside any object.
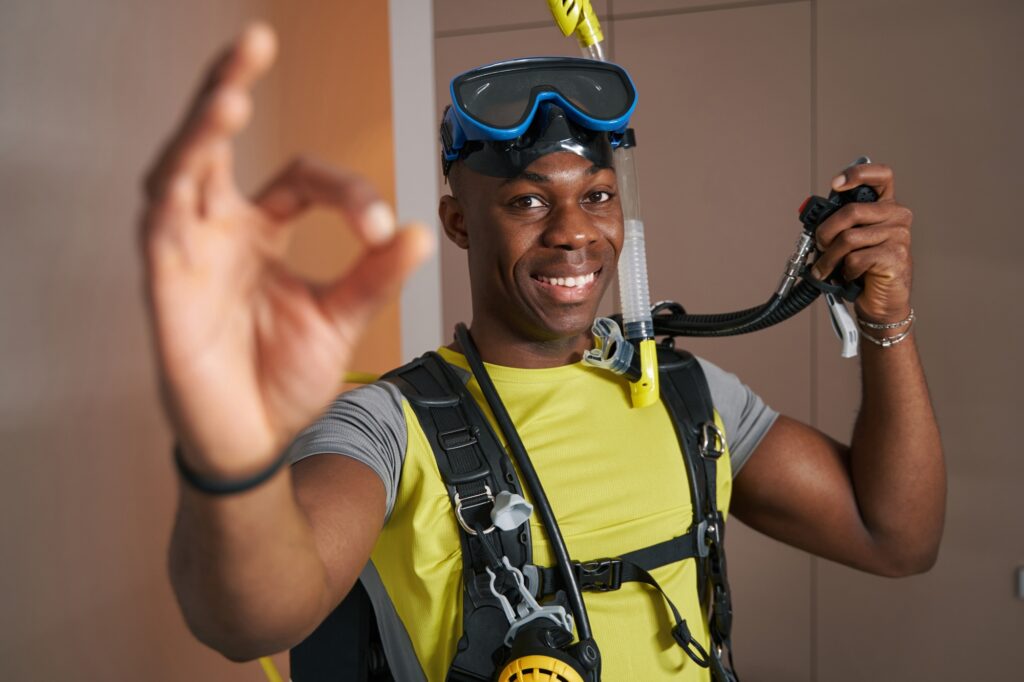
{"x":606,"y":575}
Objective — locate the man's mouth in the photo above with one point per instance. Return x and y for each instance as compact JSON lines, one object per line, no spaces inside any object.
{"x":570,"y":282}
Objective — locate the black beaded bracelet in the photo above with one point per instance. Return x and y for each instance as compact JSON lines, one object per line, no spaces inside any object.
{"x":217,"y":487}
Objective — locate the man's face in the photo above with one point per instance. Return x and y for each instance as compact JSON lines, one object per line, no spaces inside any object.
{"x":542,"y":246}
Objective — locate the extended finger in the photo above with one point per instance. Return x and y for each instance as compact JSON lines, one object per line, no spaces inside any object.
{"x":861,"y":214}
{"x":852,"y":241}
{"x":352,"y":299}
{"x":305,"y":182}
{"x":220,"y":108}
{"x":878,"y":176}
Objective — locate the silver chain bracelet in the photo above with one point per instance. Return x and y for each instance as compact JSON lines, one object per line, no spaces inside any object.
{"x":886,"y":341}
{"x":887,"y":325}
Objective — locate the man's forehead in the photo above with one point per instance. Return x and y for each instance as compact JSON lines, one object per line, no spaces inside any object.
{"x":541,"y":170}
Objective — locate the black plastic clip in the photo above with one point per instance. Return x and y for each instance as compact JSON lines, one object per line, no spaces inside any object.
{"x":457,"y":438}
{"x":602,"y":575}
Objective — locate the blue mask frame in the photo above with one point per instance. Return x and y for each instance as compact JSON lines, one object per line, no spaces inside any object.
{"x":460,"y":127}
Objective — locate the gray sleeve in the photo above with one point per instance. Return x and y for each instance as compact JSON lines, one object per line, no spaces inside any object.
{"x":746,"y":417}
{"x":366,"y":424}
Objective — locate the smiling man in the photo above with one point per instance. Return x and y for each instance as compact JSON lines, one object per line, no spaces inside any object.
{"x":250,"y":355}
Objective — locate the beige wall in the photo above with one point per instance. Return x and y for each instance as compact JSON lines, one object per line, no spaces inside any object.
{"x":87,"y":91}
{"x":745,"y":108}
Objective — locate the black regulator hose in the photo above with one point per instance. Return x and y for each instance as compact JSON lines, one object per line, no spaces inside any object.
{"x":777,"y":309}
{"x":793,"y":296}
{"x":589,"y":654}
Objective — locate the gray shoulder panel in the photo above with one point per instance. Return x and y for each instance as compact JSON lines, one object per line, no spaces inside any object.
{"x":366,"y":424}
{"x":745,"y":415}
{"x":394,"y":637}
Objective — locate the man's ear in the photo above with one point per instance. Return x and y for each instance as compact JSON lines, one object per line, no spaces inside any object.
{"x":454,"y":221}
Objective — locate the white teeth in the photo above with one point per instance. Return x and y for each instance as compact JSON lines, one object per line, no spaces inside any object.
{"x":570,"y":282}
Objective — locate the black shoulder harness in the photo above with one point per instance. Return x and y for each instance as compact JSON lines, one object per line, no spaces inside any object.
{"x":475,"y":468}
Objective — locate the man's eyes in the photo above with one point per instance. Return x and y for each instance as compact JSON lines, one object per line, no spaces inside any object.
{"x":528,"y":201}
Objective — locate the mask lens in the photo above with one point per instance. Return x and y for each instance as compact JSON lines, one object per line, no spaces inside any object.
{"x":503,"y":98}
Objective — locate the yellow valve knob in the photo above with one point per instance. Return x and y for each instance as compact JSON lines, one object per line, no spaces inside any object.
{"x":538,"y":668}
{"x":644,"y":391}
{"x":577,"y":16}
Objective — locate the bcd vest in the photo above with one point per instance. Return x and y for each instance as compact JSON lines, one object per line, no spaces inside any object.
{"x":475,"y":469}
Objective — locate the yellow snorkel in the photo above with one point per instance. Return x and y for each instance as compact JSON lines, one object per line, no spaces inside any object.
{"x":577,"y":17}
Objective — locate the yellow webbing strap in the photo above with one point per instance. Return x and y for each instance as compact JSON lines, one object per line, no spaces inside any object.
{"x":360,"y":377}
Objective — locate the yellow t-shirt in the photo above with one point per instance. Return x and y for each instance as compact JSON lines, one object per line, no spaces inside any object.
{"x":616,"y":481}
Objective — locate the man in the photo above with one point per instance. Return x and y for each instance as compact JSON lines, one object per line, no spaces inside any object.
{"x":249,"y":355}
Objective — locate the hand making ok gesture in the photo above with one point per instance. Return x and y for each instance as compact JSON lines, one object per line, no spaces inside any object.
{"x":248,"y":352}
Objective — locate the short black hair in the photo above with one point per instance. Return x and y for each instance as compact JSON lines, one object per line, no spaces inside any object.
{"x":455,"y":178}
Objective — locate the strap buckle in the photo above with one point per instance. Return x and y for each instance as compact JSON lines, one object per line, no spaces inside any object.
{"x":457,"y":438}
{"x":712,"y":441}
{"x":702,"y":542}
{"x":460,"y":504}
{"x":601,"y":575}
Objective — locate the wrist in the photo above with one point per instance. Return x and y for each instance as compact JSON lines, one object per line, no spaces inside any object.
{"x":223,"y":483}
{"x":886,"y":334}
{"x":892,"y":318}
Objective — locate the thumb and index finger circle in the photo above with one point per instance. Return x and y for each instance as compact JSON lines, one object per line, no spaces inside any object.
{"x":391,"y":254}
{"x":306,"y":182}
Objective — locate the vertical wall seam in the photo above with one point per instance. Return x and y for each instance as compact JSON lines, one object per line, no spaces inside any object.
{"x":411,"y":37}
{"x":813,"y":355}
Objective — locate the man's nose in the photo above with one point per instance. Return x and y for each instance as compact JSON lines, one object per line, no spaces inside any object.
{"x":570,"y":227}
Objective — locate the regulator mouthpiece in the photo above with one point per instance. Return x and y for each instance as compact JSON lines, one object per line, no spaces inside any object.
{"x":611,"y":351}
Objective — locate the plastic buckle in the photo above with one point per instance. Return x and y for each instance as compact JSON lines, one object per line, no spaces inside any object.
{"x":457,"y":438}
{"x":703,"y":546}
{"x":460,"y":505}
{"x":602,"y":575}
{"x":712,"y":442}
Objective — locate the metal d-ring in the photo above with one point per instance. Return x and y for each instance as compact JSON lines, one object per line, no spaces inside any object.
{"x":712,"y":441}
{"x":459,"y":506}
